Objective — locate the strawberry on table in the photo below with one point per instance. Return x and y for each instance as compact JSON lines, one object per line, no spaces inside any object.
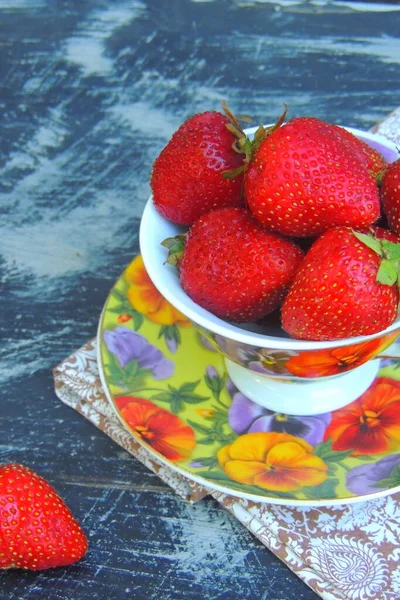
{"x":37,"y":529}
{"x":234,"y":268}
{"x":303,"y":179}
{"x":390,"y":195}
{"x":187,"y":177}
{"x":346,"y":286}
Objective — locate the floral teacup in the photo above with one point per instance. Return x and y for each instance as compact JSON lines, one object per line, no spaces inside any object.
{"x":282,"y":374}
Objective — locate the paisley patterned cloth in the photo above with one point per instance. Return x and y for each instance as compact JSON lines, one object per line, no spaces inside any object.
{"x":343,"y":553}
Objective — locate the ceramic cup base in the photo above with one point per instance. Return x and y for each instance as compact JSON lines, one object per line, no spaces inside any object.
{"x":303,"y":396}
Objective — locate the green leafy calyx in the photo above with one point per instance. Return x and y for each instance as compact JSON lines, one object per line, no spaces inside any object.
{"x":389,"y":253}
{"x":175,"y":246}
{"x":243,"y":144}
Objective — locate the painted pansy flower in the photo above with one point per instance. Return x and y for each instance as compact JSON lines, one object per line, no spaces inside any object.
{"x":162,"y":430}
{"x":277,"y":462}
{"x":332,"y":361}
{"x":268,"y":362}
{"x":147,"y":300}
{"x":368,"y":478}
{"x":128,"y":345}
{"x":370,"y":424}
{"x":245,"y":416}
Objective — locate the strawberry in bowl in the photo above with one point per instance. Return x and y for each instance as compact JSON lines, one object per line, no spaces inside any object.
{"x":186,"y":178}
{"x":252,"y":267}
{"x":301,"y":180}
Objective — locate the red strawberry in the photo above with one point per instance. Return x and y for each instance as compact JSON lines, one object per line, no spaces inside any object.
{"x":344,"y":287}
{"x":303,"y":180}
{"x":187,"y":179}
{"x":234,"y":268}
{"x":390,"y":195}
{"x":37,"y":529}
{"x":373,"y":161}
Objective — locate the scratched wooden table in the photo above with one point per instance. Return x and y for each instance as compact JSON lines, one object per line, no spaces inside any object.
{"x":89,"y":94}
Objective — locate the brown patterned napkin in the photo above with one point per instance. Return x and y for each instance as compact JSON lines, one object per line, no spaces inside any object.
{"x":343,"y":553}
{"x":347,"y":552}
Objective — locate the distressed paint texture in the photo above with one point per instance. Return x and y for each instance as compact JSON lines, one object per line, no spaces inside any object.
{"x":89,"y":94}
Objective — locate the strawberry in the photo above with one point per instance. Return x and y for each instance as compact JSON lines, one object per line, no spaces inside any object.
{"x":187,"y":177}
{"x":234,"y":268}
{"x":373,"y":161}
{"x":303,"y":180}
{"x":390,"y":195}
{"x":37,"y":529}
{"x":346,"y":286}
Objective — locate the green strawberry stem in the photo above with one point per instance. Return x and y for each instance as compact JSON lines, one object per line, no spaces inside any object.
{"x":389,"y":252}
{"x":263,"y":132}
{"x":243,"y":144}
{"x":175,"y":246}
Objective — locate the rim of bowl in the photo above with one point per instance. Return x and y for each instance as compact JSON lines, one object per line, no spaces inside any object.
{"x":218,"y":326}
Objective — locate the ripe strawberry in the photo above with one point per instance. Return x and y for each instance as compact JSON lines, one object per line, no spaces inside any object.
{"x":346,"y":286}
{"x":37,"y":529}
{"x":373,"y":161}
{"x":303,"y":180}
{"x":390,"y":195}
{"x":234,"y":268}
{"x":187,"y":179}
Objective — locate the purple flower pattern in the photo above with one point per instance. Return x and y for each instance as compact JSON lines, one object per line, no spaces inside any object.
{"x":245,"y":416}
{"x":172,"y":344}
{"x":212,"y":372}
{"x":365,"y":479}
{"x":128,"y":345}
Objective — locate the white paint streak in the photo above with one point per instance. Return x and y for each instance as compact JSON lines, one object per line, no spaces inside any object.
{"x":45,"y":250}
{"x":79,"y":237}
{"x":365,"y":6}
{"x":88,"y":54}
{"x":357,"y":6}
{"x":11,"y":370}
{"x":144,"y":118}
{"x":87,"y":49}
{"x":51,"y":134}
{"x":22,"y":4}
{"x":107,"y":513}
{"x":27,"y":349}
{"x":209,"y":545}
{"x":387,"y":49}
{"x":77,"y":242}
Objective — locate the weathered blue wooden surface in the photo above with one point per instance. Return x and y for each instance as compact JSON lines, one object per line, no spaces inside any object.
{"x":89,"y":94}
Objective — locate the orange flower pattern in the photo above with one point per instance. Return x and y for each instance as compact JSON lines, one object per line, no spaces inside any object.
{"x":333,"y":361}
{"x":161,"y":429}
{"x":370,"y":424}
{"x":279,"y":462}
{"x":147,"y":300}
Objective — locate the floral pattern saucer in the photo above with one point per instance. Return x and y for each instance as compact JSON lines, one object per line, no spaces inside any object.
{"x":170,"y":389}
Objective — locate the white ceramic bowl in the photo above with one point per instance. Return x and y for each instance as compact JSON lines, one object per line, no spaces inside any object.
{"x":283,"y":374}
